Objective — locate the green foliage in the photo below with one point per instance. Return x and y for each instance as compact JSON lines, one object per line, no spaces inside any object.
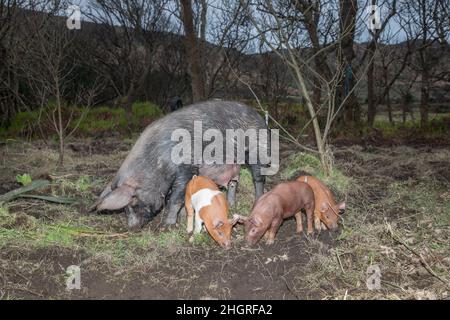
{"x":304,"y":162}
{"x":203,"y":239}
{"x":24,"y":179}
{"x":437,"y":127}
{"x":101,"y":119}
{"x":106,"y":119}
{"x":245,"y":194}
{"x":80,"y":187}
{"x":94,"y":121}
{"x":5,"y":217}
{"x":23,"y":124}
{"x":144,"y":113}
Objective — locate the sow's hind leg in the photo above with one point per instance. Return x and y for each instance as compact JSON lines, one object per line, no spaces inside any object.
{"x":258,"y":180}
{"x":176,"y":200}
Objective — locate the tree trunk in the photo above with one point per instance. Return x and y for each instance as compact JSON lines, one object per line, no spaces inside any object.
{"x":60,"y":132}
{"x":371,"y":104}
{"x":348,"y":11}
{"x":389,"y":106}
{"x":424,"y":97}
{"x":192,"y":51}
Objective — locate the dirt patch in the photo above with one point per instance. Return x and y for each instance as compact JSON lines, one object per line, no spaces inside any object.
{"x":100,"y":146}
{"x":392,"y":192}
{"x":7,"y":185}
{"x":260,"y":272}
{"x":441,"y":170}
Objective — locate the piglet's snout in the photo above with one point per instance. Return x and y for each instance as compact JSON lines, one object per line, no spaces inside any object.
{"x":227,"y":245}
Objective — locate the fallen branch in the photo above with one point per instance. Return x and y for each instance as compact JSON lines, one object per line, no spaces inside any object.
{"x":112,"y":235}
{"x":18,"y":192}
{"x":421,"y":258}
{"x":60,"y":200}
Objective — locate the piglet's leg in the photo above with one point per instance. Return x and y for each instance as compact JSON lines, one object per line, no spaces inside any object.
{"x":317,"y":222}
{"x":190,"y":215}
{"x":231,"y":192}
{"x":272,"y":232}
{"x":309,"y":219}
{"x":298,"y":219}
{"x":198,"y":223}
{"x":270,"y":237}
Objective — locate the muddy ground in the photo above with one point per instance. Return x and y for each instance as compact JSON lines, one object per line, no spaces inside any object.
{"x":397,"y":219}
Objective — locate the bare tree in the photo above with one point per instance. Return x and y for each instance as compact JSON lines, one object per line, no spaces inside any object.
{"x":345,"y":55}
{"x":279,"y":24}
{"x":125,"y":40}
{"x":193,"y":51}
{"x":10,"y":99}
{"x":371,"y":50}
{"x":428,"y":22}
{"x":50,"y":61}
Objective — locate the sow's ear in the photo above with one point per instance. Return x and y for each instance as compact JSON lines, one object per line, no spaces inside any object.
{"x":117,"y":199}
{"x":341,"y":207}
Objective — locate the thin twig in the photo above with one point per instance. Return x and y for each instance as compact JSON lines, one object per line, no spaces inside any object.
{"x":421,"y":258}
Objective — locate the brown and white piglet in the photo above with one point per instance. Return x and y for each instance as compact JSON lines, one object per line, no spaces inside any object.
{"x":326,"y":209}
{"x":285,"y":200}
{"x":211,"y":209}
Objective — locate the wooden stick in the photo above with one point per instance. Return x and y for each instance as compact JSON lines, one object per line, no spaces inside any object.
{"x":17,"y":192}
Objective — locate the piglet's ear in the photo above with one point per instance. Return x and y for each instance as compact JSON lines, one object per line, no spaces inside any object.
{"x":234,"y":220}
{"x":218,"y":224}
{"x":341,"y":207}
{"x":238,"y":218}
{"x":255,"y":222}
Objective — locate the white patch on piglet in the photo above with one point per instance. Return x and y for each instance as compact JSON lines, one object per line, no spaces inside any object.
{"x":202,"y":198}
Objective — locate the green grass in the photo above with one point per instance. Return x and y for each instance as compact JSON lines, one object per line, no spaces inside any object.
{"x":144,"y":112}
{"x":311,"y":164}
{"x":81,"y":187}
{"x":438,"y":126}
{"x":83,"y":234}
{"x":244,"y":194}
{"x":87,"y":122}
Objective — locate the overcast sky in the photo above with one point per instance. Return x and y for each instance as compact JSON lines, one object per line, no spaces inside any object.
{"x":393,"y":29}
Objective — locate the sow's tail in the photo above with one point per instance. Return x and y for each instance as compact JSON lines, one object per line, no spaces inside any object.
{"x":115,"y":197}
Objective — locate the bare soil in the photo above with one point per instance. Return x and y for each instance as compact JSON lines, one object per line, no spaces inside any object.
{"x":185,"y":271}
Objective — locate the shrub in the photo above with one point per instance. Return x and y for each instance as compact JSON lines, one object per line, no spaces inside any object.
{"x":24,"y":124}
{"x":101,"y":119}
{"x":144,"y":113}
